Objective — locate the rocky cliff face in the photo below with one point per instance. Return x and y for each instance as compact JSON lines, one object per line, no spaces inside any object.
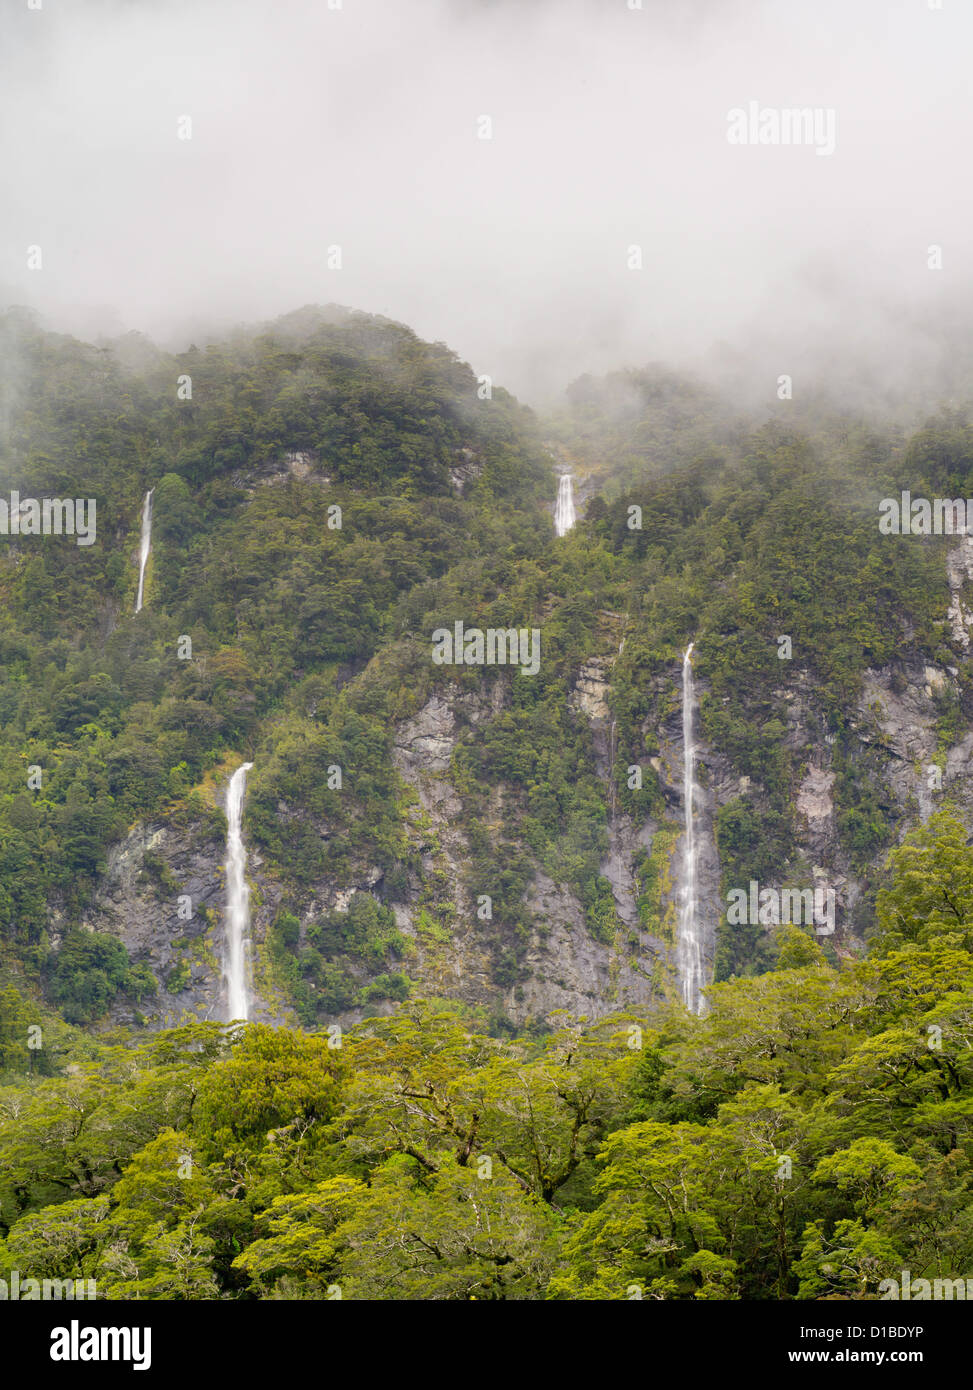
{"x":163,"y":895}
{"x":158,"y":869}
{"x":153,"y":880}
{"x":567,"y":968}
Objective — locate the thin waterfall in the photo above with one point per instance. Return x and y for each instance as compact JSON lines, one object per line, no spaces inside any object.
{"x":146,"y":545}
{"x":236,"y":954}
{"x":689,"y":946}
{"x":564,"y":517}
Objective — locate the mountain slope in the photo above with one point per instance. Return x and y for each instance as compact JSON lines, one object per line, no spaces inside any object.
{"x":330,"y":491}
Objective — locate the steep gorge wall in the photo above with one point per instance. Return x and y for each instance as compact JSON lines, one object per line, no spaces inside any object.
{"x":565,"y":966}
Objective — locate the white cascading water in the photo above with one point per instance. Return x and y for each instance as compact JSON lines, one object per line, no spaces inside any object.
{"x":689,"y":947}
{"x":237,"y":946}
{"x":146,"y":545}
{"x":564,"y":517}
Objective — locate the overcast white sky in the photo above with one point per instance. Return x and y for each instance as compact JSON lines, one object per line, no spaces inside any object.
{"x":358,"y":126}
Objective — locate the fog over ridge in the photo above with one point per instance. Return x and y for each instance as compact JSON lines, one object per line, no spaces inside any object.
{"x":357,"y":128}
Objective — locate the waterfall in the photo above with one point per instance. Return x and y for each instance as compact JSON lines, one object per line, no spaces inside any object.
{"x":237,"y":940}
{"x":146,"y":545}
{"x":564,"y":517}
{"x":689,"y":947}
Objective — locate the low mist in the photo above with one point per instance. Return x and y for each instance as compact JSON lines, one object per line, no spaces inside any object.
{"x":353,"y":133}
